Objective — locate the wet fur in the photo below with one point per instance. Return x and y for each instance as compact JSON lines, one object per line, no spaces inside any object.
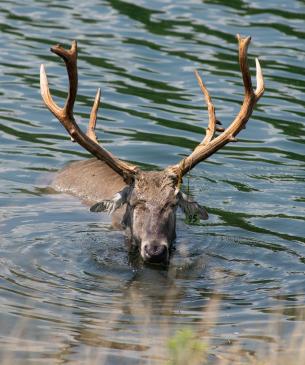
{"x":91,"y":181}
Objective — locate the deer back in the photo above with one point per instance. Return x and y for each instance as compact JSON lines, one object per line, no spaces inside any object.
{"x":92,"y":181}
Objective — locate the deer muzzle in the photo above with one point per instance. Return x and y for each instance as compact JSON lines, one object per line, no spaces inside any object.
{"x":155,"y":252}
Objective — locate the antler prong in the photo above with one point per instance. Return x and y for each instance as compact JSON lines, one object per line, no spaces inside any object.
{"x":211,"y":129}
{"x":70,"y":59}
{"x":45,"y":92}
{"x":260,"y":84}
{"x":243,"y":63}
{"x":93,"y":117}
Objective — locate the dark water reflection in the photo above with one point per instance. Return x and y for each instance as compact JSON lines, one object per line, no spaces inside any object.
{"x":68,"y":291}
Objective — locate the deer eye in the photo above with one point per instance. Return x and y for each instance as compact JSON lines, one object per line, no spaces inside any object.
{"x":170,"y":205}
{"x":138,"y":203}
{"x":174,"y":202}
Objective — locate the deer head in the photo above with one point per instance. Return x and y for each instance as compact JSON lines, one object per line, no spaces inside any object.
{"x":152,"y":197}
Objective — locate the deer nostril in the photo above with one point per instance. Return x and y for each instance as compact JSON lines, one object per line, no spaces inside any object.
{"x":146,"y":249}
{"x":155,"y":252}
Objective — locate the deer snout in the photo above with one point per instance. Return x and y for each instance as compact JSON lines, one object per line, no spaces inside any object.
{"x":155,"y":252}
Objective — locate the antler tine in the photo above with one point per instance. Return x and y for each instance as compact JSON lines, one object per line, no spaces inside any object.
{"x":211,"y":129}
{"x":70,"y":59}
{"x":66,"y":118}
{"x":243,"y":63}
{"x":209,"y":146}
{"x":93,"y":117}
{"x":260,"y":83}
{"x":213,"y":122}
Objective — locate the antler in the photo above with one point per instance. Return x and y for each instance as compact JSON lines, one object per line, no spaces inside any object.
{"x":208,"y":146}
{"x":66,"y":117}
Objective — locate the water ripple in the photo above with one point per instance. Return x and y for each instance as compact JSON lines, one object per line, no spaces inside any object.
{"x":69,"y":290}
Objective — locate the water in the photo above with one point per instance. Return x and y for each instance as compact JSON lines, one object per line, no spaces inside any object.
{"x":69,"y":292}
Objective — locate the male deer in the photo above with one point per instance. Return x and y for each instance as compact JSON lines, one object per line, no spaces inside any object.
{"x":144,"y":202}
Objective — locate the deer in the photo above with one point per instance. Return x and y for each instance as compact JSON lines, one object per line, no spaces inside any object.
{"x":143,"y":203}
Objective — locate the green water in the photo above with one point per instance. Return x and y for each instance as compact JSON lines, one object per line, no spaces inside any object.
{"x":68,"y":293}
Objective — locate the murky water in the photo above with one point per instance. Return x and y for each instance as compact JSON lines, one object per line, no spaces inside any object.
{"x":69,"y":293}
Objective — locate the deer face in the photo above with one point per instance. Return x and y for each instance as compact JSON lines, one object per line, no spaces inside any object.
{"x":150,"y":216}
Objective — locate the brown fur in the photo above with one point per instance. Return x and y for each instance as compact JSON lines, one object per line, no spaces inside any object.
{"x":92,"y":181}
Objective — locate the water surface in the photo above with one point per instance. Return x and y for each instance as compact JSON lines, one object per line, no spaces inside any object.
{"x":69,"y":292}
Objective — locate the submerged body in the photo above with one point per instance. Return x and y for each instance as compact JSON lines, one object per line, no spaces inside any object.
{"x":146,"y":209}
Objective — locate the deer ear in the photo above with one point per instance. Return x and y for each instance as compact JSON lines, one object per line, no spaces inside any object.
{"x":110,"y":205}
{"x":192,"y":210}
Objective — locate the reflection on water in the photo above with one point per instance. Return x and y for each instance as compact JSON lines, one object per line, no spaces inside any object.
{"x":69,"y":291}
